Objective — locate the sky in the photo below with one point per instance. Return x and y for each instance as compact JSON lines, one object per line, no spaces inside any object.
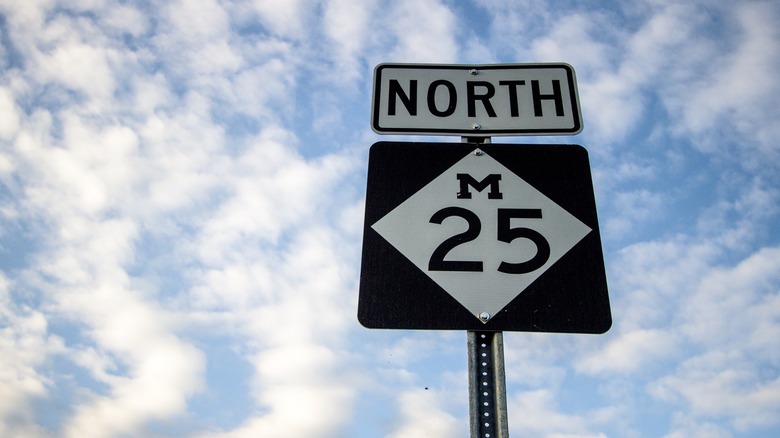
{"x":182,"y":188}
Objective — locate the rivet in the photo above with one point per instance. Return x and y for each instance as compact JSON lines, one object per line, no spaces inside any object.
{"x":484,"y":316}
{"x":476,"y":126}
{"x":479,"y":152}
{"x":473,"y":72}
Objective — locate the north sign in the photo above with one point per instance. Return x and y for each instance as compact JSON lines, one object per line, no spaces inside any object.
{"x":475,"y":100}
{"x":482,"y":237}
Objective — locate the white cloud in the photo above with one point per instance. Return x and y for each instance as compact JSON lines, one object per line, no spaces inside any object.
{"x":535,"y":413}
{"x":648,"y":278}
{"x":611,"y":108}
{"x":424,"y":31}
{"x":739,"y":221}
{"x":84,"y":178}
{"x":734,"y":314}
{"x":126,"y":18}
{"x":738,"y":304}
{"x":297,"y":387}
{"x":630,"y":352}
{"x":577,"y":39}
{"x":615,"y":97}
{"x":577,"y":435}
{"x":288,"y":19}
{"x":195,"y":38}
{"x":347,"y":23}
{"x":81,"y":67}
{"x":85,"y":281}
{"x":422,"y":416}
{"x":674,"y":51}
{"x":688,"y":428}
{"x":161,"y":376}
{"x":293,"y":325}
{"x":270,"y":255}
{"x":515,"y":23}
{"x":723,"y":329}
{"x":722,"y":384}
{"x":179,"y":169}
{"x":534,"y":359}
{"x":87,"y":175}
{"x":200,"y":20}
{"x":735,"y":88}
{"x":25,"y":345}
{"x":9,"y":116}
{"x":150,"y":94}
{"x":413,"y":348}
{"x":635,"y":208}
{"x":271,"y":189}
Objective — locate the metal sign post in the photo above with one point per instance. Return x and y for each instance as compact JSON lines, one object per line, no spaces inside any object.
{"x":487,"y":385}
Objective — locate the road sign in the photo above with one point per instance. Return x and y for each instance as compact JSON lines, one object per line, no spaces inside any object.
{"x":482,"y":237}
{"x":475,"y":100}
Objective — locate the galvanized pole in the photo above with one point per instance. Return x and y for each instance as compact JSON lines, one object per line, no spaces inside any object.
{"x":487,"y":385}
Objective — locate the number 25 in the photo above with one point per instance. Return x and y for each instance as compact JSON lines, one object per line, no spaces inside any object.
{"x":505,"y":234}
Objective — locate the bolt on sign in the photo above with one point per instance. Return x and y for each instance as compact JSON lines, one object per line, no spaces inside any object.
{"x":478,"y":100}
{"x":474,"y":236}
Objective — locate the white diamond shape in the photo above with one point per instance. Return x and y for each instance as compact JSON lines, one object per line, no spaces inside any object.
{"x":409,"y":230}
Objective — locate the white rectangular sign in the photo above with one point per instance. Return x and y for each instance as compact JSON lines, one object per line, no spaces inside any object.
{"x":475,"y":100}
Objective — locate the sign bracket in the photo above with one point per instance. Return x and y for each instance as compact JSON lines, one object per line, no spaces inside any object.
{"x":479,"y":140}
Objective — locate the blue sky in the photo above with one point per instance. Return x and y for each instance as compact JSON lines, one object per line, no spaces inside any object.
{"x":182,"y":188}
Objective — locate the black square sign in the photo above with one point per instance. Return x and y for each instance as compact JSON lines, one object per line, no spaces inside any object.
{"x":488,"y":237}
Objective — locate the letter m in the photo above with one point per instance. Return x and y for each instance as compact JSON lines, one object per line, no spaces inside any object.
{"x":491,"y":181}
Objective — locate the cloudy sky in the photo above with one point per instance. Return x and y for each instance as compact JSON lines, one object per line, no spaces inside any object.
{"x":182,"y":187}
